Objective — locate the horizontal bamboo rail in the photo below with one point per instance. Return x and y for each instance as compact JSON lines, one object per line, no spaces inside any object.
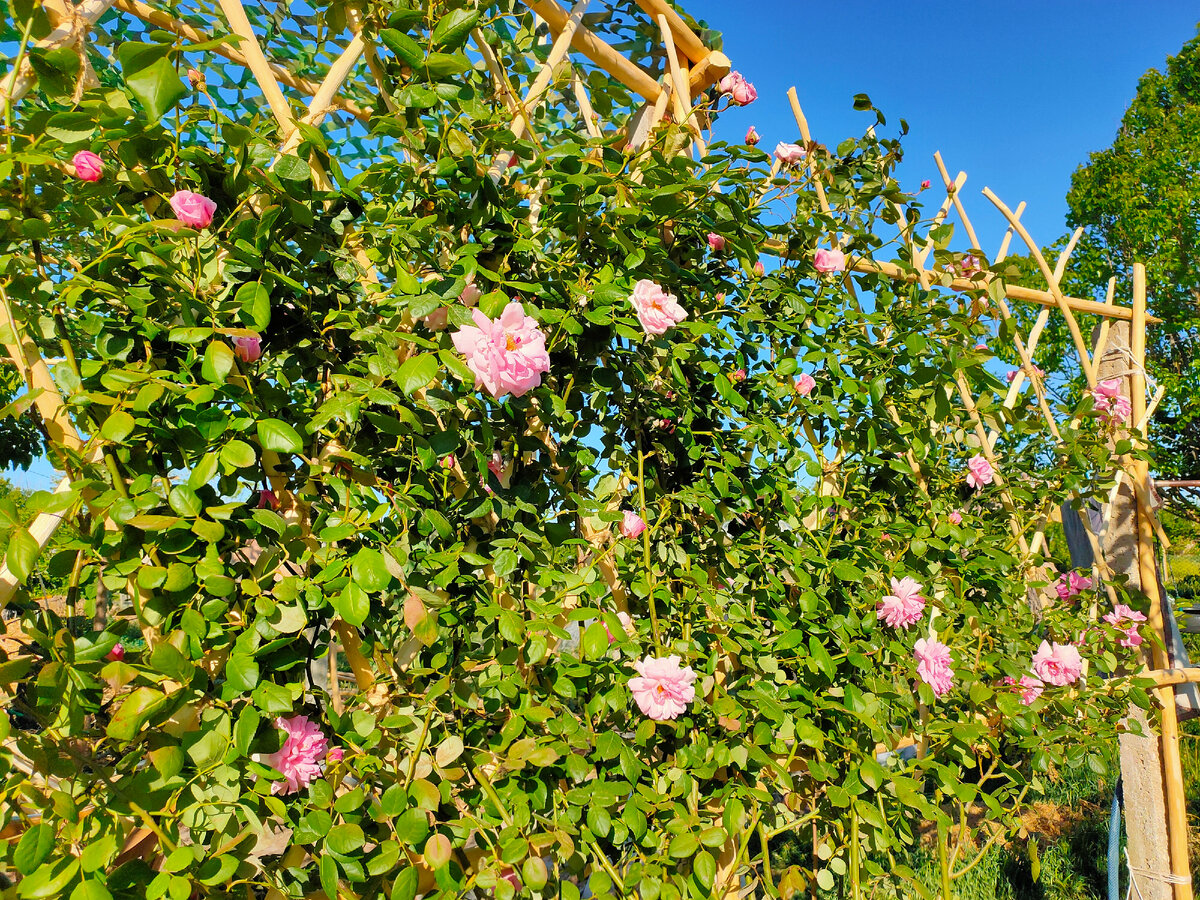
{"x":1011,"y":291}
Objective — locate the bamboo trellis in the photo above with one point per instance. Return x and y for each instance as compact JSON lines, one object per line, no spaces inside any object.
{"x":353,"y":78}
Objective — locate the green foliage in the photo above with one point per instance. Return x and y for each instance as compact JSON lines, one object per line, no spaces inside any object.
{"x":1137,"y":202}
{"x":493,"y":731}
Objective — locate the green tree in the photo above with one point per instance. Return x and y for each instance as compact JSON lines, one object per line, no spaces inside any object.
{"x":1139,"y":201}
{"x":20,"y":442}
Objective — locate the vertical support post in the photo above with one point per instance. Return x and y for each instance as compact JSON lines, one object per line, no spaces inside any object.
{"x":1172,"y":770}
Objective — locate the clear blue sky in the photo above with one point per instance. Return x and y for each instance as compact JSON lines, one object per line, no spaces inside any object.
{"x":1016,"y":93}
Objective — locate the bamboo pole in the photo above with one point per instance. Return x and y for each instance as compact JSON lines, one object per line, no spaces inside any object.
{"x":679,"y":88}
{"x":256,"y":61}
{"x":1173,"y":783}
{"x":685,"y":39}
{"x":1011,"y":291}
{"x":602,"y":54}
{"x":160,"y":19}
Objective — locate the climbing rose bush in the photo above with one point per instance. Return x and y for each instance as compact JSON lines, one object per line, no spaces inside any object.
{"x":633,"y":557}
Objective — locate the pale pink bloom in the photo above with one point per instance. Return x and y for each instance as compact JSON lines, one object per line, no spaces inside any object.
{"x":1071,"y":583}
{"x":116,"y":654}
{"x":752,"y":137}
{"x":192,"y":209}
{"x":496,"y":464}
{"x":1057,"y":664}
{"x":335,"y":755}
{"x":979,"y":471}
{"x":829,"y":260}
{"x":267,"y":499}
{"x":298,"y":760}
{"x":720,"y":296}
{"x":716,"y":243}
{"x":507,"y":355}
{"x":195,"y":78}
{"x":925,"y":184}
{"x":438,"y":319}
{"x":626,"y":625}
{"x":955,"y":518}
{"x":248,"y":348}
{"x":737,"y":376}
{"x":970,"y":265}
{"x":1030,"y":687}
{"x":904,"y":606}
{"x":448,"y":461}
{"x":805,"y":384}
{"x":739,"y":90}
{"x":982,"y":347}
{"x":1013,"y":374}
{"x":758,"y":268}
{"x":470,"y":295}
{"x":933,"y":665}
{"x":662,"y":688}
{"x":1110,"y":402}
{"x":632,"y":524}
{"x":789,"y":154}
{"x":657,"y":310}
{"x":1118,"y":617}
{"x":88,"y":166}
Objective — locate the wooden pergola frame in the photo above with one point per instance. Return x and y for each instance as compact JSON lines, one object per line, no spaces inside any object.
{"x":692,"y":68}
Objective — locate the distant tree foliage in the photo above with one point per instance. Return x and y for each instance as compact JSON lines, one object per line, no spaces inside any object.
{"x":1139,"y":201}
{"x":20,"y":443}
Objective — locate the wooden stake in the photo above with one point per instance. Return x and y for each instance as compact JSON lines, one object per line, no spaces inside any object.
{"x":1173,"y":783}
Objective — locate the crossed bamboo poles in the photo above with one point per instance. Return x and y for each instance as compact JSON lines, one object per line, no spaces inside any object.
{"x":690,"y":69}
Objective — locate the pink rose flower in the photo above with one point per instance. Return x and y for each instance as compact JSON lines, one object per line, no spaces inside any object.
{"x":116,"y":654}
{"x":448,"y":461}
{"x":738,"y":89}
{"x":657,"y":310}
{"x":1117,"y":618}
{"x":805,"y":384}
{"x":508,"y":355}
{"x":626,"y":625}
{"x":982,"y":348}
{"x":933,"y":665}
{"x":752,"y":137}
{"x":956,"y":518}
{"x":335,"y":755}
{"x":789,"y":154}
{"x":662,"y":688}
{"x":904,"y":606}
{"x":632,"y":524}
{"x":470,"y":295}
{"x":1057,"y":664}
{"x":496,"y":465}
{"x":1110,"y":402}
{"x":716,"y":243}
{"x":1071,"y":584}
{"x":1010,"y":375}
{"x":737,"y":376}
{"x":979,"y":471}
{"x":192,"y":209}
{"x":298,"y":760}
{"x":248,"y":349}
{"x":829,"y":260}
{"x":758,"y":268}
{"x":195,"y":78}
{"x":88,"y":166}
{"x":970,"y":265}
{"x":925,"y":184}
{"x":267,"y":499}
{"x":1029,"y":687}
{"x":720,"y":296}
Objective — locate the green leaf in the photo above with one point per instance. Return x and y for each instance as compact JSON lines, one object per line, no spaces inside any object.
{"x":218,"y":361}
{"x":157,"y":87}
{"x":369,"y":570}
{"x":23,"y":553}
{"x":279,"y":436}
{"x":35,"y":845}
{"x":238,"y":455}
{"x":445,"y":65}
{"x":682,"y":845}
{"x":345,"y":839}
{"x":292,"y":168}
{"x":134,"y":713}
{"x":48,"y":881}
{"x":406,"y":49}
{"x":352,"y":604}
{"x":241,"y":672}
{"x":821,"y":657}
{"x":245,"y":729}
{"x":595,"y":641}
{"x":417,"y":372}
{"x":328,"y":873}
{"x":254,"y":301}
{"x":452,"y":29}
{"x":405,"y":885}
{"x":184,"y":501}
